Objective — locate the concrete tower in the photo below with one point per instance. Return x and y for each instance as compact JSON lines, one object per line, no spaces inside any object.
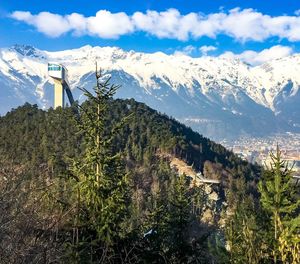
{"x":59,"y":75}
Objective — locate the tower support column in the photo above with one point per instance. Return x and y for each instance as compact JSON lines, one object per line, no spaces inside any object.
{"x":59,"y":95}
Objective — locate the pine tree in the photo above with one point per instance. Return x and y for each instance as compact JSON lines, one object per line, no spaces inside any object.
{"x":102,"y":196}
{"x":169,"y":231}
{"x":179,"y":218}
{"x":279,"y":201}
{"x":243,"y":234}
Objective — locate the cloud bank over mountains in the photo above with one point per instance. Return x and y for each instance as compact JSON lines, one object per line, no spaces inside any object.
{"x":240,"y":24}
{"x":251,"y":57}
{"x":256,"y":58}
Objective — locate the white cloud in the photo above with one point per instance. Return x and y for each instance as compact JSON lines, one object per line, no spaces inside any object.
{"x":256,"y":58}
{"x":205,"y":49}
{"x":108,"y":25}
{"x":240,"y":24}
{"x":187,"y":51}
{"x":104,"y":24}
{"x":52,"y":25}
{"x":167,"y":24}
{"x":22,"y":16}
{"x":78,"y":23}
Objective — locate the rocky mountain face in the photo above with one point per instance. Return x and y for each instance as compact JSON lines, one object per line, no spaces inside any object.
{"x":218,"y":97}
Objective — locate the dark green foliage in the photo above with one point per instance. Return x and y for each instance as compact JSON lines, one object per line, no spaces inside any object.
{"x":32,"y":136}
{"x":100,"y":182}
{"x":282,"y":206}
{"x":39,"y":139}
{"x":169,"y":222}
{"x":49,"y":144}
{"x":244,"y":234}
{"x":268,"y":231}
{"x":173,"y":231}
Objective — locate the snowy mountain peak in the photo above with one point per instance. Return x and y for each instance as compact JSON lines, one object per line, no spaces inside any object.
{"x":207,"y":88}
{"x":27,"y":50}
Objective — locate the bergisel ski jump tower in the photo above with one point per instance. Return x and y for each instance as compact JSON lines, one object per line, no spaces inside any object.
{"x":59,"y":75}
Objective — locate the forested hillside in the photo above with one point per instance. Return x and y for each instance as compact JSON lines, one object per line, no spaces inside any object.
{"x":151,"y":214}
{"x":44,"y":141}
{"x":32,"y":136}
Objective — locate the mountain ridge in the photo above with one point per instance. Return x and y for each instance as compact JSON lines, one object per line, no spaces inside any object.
{"x":206,"y":93}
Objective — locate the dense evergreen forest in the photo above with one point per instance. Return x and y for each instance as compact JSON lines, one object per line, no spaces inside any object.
{"x":31,"y":135}
{"x":93,"y":184}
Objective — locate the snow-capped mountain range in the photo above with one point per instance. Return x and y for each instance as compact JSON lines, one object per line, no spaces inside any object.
{"x":219,"y":97}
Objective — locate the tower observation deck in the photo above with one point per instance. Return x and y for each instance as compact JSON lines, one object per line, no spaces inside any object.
{"x":59,"y":75}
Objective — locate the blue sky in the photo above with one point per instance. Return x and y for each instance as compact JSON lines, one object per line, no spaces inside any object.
{"x":253,"y":30}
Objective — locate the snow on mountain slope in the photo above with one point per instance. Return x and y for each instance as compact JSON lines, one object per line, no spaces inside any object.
{"x":217,"y":96}
{"x":275,"y":75}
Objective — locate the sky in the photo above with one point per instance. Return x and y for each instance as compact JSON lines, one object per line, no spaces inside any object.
{"x":253,"y":30}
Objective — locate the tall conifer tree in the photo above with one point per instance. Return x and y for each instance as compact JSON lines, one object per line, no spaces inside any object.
{"x":279,"y":200}
{"x":102,"y":185}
